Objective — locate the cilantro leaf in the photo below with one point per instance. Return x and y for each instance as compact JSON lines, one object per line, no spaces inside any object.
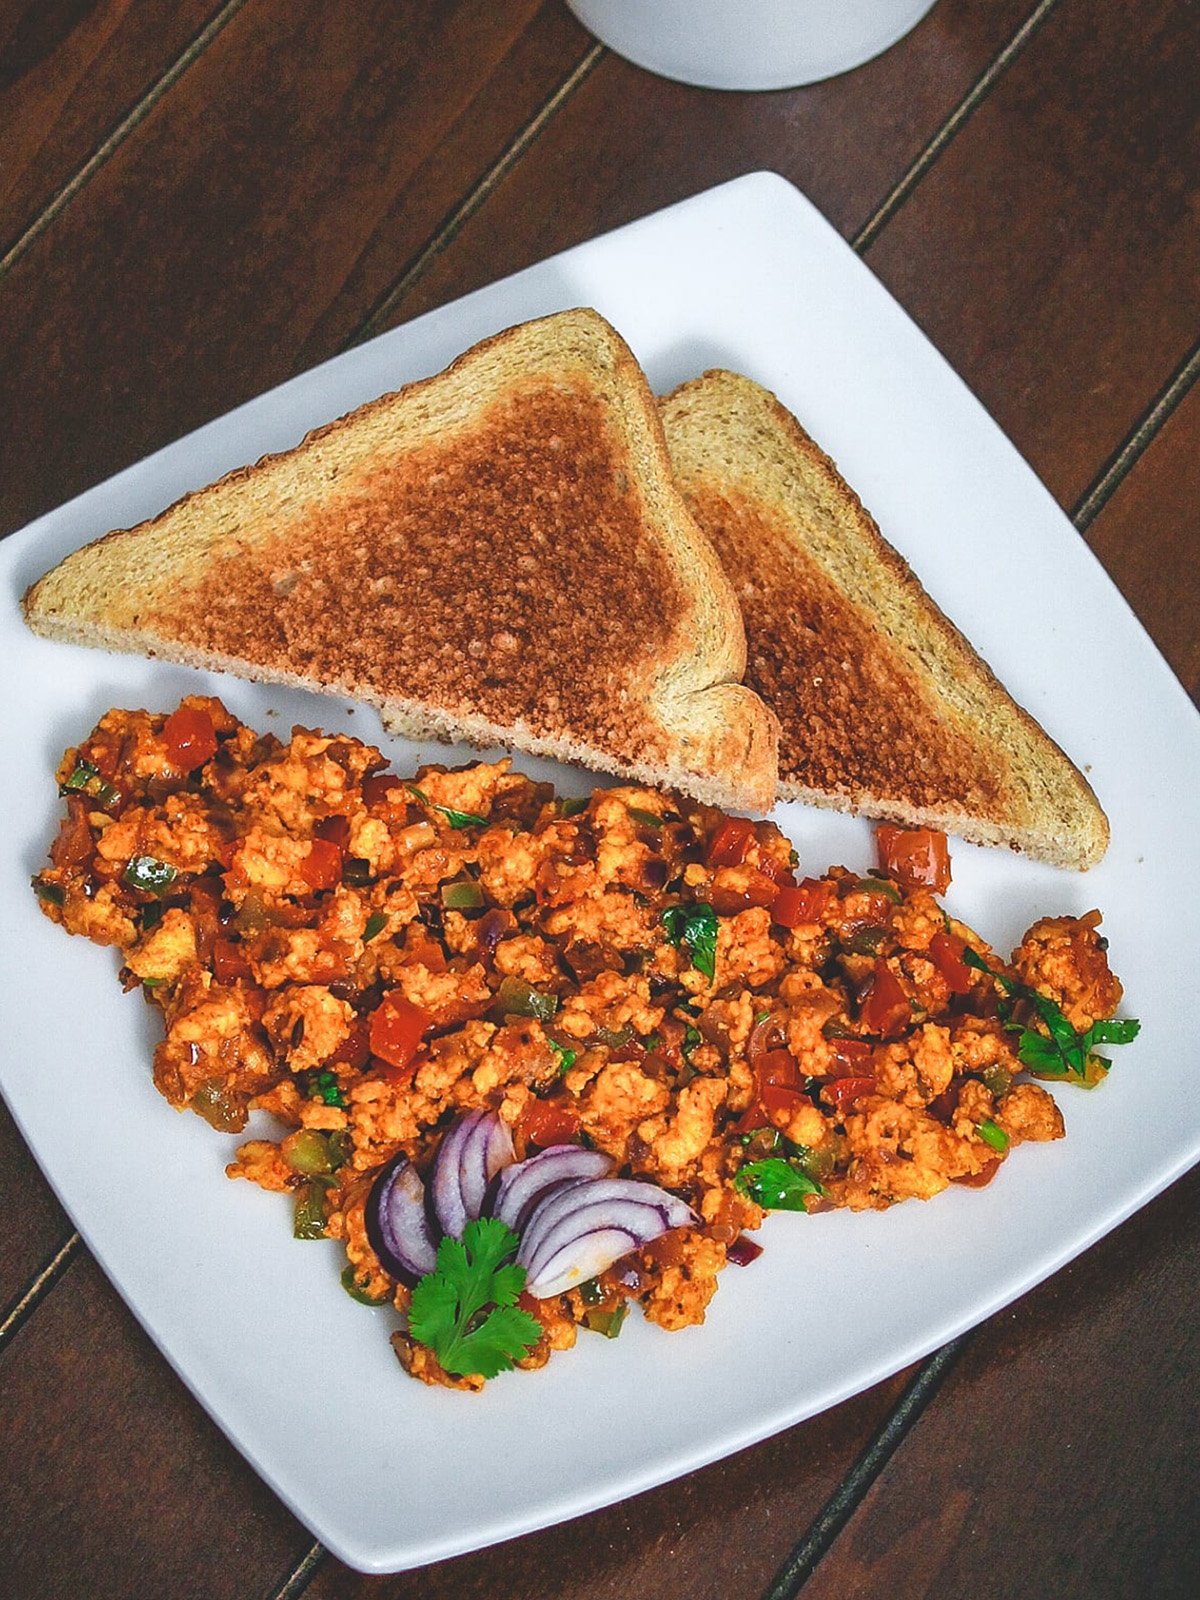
{"x":465,"y":1310}
{"x":1061,"y":1051}
{"x":1040,"y":1054}
{"x":1117,"y":1030}
{"x":775,"y":1184}
{"x":694,"y":929}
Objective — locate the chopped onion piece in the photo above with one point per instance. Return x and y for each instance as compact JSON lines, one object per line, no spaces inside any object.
{"x":743,"y":1251}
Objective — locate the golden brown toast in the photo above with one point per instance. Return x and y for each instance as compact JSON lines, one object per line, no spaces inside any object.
{"x":496,"y":554}
{"x":884,"y":707}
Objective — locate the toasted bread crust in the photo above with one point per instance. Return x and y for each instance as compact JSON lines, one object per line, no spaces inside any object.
{"x":884,"y":706}
{"x":497,"y":553}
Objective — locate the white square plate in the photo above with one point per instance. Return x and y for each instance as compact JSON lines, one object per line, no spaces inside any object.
{"x":388,"y":1473}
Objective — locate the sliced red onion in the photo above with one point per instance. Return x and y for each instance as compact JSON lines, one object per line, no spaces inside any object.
{"x":470,"y":1155}
{"x":397,"y":1226}
{"x":523,"y":1184}
{"x":583,"y":1258}
{"x":579,"y":1229}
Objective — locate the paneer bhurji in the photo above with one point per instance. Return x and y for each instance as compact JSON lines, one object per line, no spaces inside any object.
{"x":532,"y":1059}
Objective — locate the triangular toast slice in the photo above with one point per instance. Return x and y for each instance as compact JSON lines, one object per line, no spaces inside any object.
{"x":497,"y":554}
{"x":884,"y":707}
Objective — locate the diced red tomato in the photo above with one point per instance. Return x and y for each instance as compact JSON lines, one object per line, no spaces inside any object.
{"x":761,"y":889}
{"x":843,"y":1092}
{"x":396,"y":1030}
{"x":190,"y":738}
{"x":729,"y":844}
{"x":779,"y":1088}
{"x":355,"y":1049}
{"x":228,"y":962}
{"x":851,"y":1057}
{"x":802,"y":903}
{"x":919,"y":858}
{"x":321,"y":868}
{"x":776,"y":871}
{"x":886,"y":1010}
{"x":751,"y":888}
{"x":379,"y":786}
{"x":420,"y":949}
{"x":780,"y":1085}
{"x":547,"y":1122}
{"x":335,"y":828}
{"x":946,"y":953}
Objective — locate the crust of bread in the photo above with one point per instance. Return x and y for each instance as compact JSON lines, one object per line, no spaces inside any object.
{"x":885,"y":708}
{"x":496,"y":554}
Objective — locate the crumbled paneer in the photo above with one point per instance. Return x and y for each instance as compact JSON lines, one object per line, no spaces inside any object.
{"x":367,"y":959}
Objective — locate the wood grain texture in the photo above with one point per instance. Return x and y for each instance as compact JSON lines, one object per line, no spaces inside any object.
{"x":25,"y":1194}
{"x":1046,"y":251}
{"x":193,"y":269}
{"x":629,"y":143}
{"x":124,"y":1486}
{"x":1147,"y":538}
{"x":714,"y":1534}
{"x":70,"y":70}
{"x":1049,"y":254}
{"x":1061,"y":1457}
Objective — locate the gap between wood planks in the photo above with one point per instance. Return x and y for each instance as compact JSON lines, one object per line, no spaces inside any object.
{"x":108,"y":147}
{"x":38,"y":1287}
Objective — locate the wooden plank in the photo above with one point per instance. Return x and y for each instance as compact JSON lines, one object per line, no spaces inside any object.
{"x":716,"y":1533}
{"x":1049,"y":252}
{"x":1146,"y":538}
{"x":198,"y":266}
{"x":1046,"y":251}
{"x":123,"y":1485}
{"x":629,"y":143}
{"x":70,"y":71}
{"x":1061,"y":1457}
{"x":43,"y":1226}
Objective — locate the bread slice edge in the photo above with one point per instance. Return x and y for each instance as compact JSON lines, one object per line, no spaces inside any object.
{"x":1064,"y":825}
{"x":722,"y":743}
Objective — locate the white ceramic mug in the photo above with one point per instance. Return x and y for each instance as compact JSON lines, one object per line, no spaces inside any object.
{"x":749,"y":44}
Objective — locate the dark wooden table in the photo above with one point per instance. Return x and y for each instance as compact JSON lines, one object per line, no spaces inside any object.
{"x":198,"y":200}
